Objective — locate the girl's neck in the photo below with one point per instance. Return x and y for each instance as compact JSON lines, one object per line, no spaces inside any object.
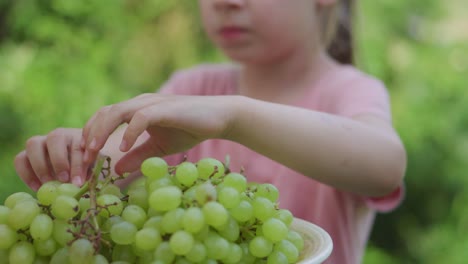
{"x":284,"y":80}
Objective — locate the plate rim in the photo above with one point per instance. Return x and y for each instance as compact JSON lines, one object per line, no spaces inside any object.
{"x":316,"y":231}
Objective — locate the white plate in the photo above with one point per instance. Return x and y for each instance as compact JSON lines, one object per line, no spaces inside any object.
{"x":318,"y":244}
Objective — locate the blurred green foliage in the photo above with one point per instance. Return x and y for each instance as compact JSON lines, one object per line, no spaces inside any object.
{"x":61,"y":60}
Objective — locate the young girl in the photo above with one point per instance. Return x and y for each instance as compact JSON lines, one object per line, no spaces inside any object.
{"x":287,"y":112}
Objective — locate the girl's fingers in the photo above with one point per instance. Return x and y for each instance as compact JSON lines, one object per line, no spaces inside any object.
{"x":131,"y":161}
{"x":137,"y":125}
{"x":57,"y":146}
{"x":26,"y":172}
{"x":38,"y":157}
{"x":78,"y":170}
{"x":108,"y":119}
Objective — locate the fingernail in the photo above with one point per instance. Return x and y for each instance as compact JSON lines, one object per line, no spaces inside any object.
{"x":123,"y":145}
{"x":77,"y":181}
{"x":63,"y":176}
{"x":93,"y":143}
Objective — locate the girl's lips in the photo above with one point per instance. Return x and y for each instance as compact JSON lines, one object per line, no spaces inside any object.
{"x":232,"y":32}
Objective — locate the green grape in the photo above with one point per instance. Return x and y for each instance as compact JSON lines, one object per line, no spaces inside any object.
{"x":40,"y":260}
{"x":172,"y":221}
{"x":85,"y":204}
{"x":263,"y":208}
{"x":151,"y":212}
{"x":110,"y":189}
{"x":288,"y":249}
{"x":23,"y":213}
{"x":11,"y":200}
{"x":81,"y":251}
{"x":60,"y":256}
{"x":135,"y":215}
{"x":8,"y":236}
{"x":109,"y":222}
{"x":65,"y":207}
{"x":22,"y":253}
{"x":247,"y":258}
{"x":146,"y":257}
{"x":3,"y":256}
{"x":189,"y":197}
{"x":236,"y":181}
{"x":153,"y":222}
{"x":147,"y":239}
{"x":140,"y":182}
{"x":123,"y":254}
{"x":164,"y":253}
{"x":45,"y":247}
{"x":205,"y":192}
{"x":215,"y":214}
{"x":186,"y":173}
{"x":210,"y":167}
{"x":123,"y":233}
{"x":68,"y":189}
{"x":243,"y":212}
{"x":181,"y":242}
{"x":154,"y":168}
{"x":274,"y":230}
{"x":285,"y":215}
{"x":60,"y":233}
{"x":197,"y":253}
{"x":229,"y":197}
{"x":260,"y":247}
{"x":209,"y":261}
{"x":159,"y":183}
{"x":269,"y":191}
{"x":4,"y":212}
{"x":41,"y":227}
{"x":100,"y":259}
{"x":234,"y":255}
{"x":230,"y":230}
{"x":110,"y":204}
{"x":165,"y":198}
{"x":203,"y":233}
{"x":193,"y":220}
{"x":181,"y":260}
{"x":216,"y":246}
{"x":277,"y":257}
{"x":296,"y":238}
{"x":48,"y":192}
{"x":138,"y":196}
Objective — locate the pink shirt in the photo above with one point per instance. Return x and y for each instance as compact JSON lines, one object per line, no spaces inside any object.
{"x":347,"y":217}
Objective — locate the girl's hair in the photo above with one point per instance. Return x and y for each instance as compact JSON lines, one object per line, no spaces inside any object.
{"x":337,"y":31}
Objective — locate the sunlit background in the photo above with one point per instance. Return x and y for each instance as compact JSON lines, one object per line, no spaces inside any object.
{"x":61,"y":60}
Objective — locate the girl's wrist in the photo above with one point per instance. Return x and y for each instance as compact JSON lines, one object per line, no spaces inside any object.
{"x":241,"y":109}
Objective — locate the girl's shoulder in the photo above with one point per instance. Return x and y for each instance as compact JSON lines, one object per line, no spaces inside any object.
{"x":351,"y":91}
{"x":203,"y":79}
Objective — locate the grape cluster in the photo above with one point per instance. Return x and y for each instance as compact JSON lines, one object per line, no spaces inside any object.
{"x":189,"y":213}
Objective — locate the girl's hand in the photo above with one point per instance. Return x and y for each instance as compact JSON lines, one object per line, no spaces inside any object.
{"x":55,"y":156}
{"x":172,"y":124}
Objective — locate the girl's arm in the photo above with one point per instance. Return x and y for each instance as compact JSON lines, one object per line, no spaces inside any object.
{"x":363,"y":155}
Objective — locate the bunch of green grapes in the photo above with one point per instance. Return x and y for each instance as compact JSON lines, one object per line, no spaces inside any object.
{"x":189,"y":213}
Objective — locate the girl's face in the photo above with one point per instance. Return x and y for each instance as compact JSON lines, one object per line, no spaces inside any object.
{"x":259,"y":31}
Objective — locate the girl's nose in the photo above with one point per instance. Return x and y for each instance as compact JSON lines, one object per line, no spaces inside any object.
{"x":228,"y":4}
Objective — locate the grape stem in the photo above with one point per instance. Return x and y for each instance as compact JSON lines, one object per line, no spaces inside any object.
{"x":92,"y":185}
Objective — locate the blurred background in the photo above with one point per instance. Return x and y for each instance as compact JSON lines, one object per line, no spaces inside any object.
{"x":61,"y":60}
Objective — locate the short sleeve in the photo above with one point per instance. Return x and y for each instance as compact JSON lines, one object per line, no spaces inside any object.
{"x":364,"y":96}
{"x":369,"y":96}
{"x":387,"y":203}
